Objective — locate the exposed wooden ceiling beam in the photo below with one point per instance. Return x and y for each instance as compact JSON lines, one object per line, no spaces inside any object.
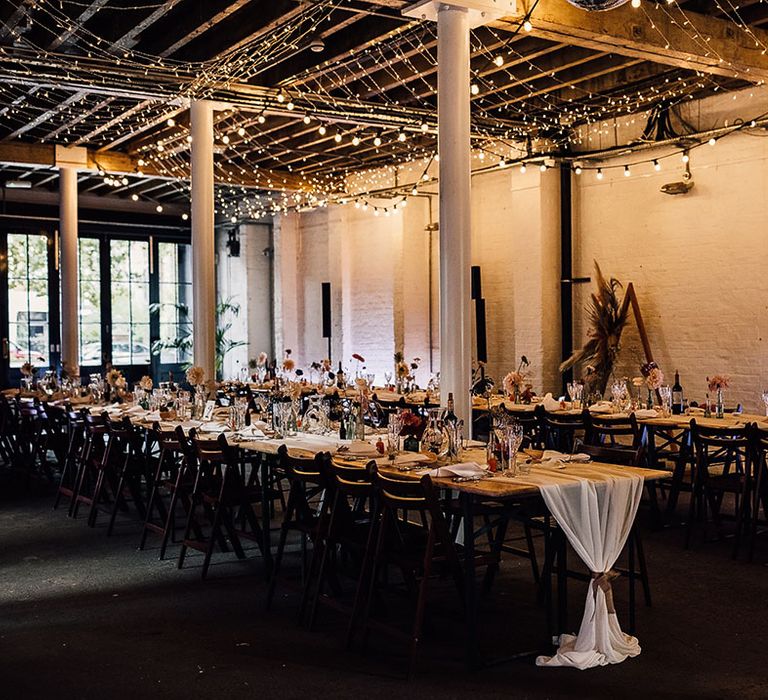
{"x":46,"y":115}
{"x":66,"y":36}
{"x":720,"y":48}
{"x":44,"y":155}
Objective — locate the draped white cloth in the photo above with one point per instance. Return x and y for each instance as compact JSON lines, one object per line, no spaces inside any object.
{"x":595,"y":507}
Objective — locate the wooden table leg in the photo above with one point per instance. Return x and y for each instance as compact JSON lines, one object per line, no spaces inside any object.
{"x":470,"y":591}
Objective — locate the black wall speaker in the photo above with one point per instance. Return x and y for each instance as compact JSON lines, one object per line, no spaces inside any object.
{"x":477,"y":286}
{"x":326,"y":295}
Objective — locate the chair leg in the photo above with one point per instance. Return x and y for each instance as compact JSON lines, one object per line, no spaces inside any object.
{"x":367,"y":564}
{"x":211,"y":542}
{"x":96,"y":498}
{"x":276,"y":566}
{"x":421,"y":602}
{"x":631,"y":568}
{"x":642,"y":567}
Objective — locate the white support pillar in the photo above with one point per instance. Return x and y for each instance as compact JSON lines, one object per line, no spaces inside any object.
{"x":203,"y":245}
{"x":454,"y":20}
{"x":70,"y":327}
{"x":455,"y":207}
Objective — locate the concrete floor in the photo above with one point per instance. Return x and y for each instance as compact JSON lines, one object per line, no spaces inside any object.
{"x":86,"y":616}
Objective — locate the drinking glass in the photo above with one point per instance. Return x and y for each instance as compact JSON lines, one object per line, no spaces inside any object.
{"x":619,"y":394}
{"x":576,"y":393}
{"x":665,"y":393}
{"x":388,"y":379}
{"x":394,"y":428}
{"x":765,"y":401}
{"x":513,"y":438}
{"x":432,"y":439}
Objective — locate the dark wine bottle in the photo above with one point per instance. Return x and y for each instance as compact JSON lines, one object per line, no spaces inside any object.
{"x":450,"y":416}
{"x":677,"y":395}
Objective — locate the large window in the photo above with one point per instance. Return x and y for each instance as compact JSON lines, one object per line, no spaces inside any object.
{"x":175,"y":296}
{"x":129,"y":267}
{"x":28,"y":321}
{"x":89,"y":294}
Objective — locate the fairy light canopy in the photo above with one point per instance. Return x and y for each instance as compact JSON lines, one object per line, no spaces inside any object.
{"x":321,"y":93}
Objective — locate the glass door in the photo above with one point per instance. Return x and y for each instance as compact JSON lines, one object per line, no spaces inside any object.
{"x":29,"y":283}
{"x":129,"y":323}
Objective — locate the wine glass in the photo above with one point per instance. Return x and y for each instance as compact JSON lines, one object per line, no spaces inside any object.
{"x":665,"y":393}
{"x":387,"y":379}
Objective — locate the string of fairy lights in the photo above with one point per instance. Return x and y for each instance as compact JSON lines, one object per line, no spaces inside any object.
{"x":524,"y":103}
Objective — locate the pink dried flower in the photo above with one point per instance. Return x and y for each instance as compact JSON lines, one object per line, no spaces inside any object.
{"x":718,"y":381}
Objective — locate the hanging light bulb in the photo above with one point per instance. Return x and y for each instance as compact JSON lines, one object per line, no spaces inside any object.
{"x":321,"y":130}
{"x":189,"y":138}
{"x":415,"y":191}
{"x":290,"y":106}
{"x":261,"y":119}
{"x":527,"y":25}
{"x":424,"y":126}
{"x":474,"y":89}
{"x":522,"y":168}
{"x":502,"y":163}
{"x":377,"y":141}
{"x":159,"y":208}
{"x":599,"y":174}
{"x":499,"y":61}
{"x":712,"y":141}
{"x":281,"y":98}
{"x":401,"y":136}
{"x":635,"y":3}
{"x":686,"y":157}
{"x":626,"y":171}
{"x":184,"y":216}
{"x":306,"y":119}
{"x":355,"y":140}
{"x":135,"y":197}
{"x":577,"y":170}
{"x":225,"y":139}
{"x":171,"y":121}
{"x":543,"y":167}
{"x":241,"y":132}
{"x":337,"y":138}
{"x":656,"y":165}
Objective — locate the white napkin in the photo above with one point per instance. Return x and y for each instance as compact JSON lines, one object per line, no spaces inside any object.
{"x":462,"y":469}
{"x":645,"y":413}
{"x":260,"y":424}
{"x":601,"y":407}
{"x":362,"y":449}
{"x":555,"y":456}
{"x":550,"y":403}
{"x":134,"y":410}
{"x":152,"y":417}
{"x":213,"y":427}
{"x":251,"y":431}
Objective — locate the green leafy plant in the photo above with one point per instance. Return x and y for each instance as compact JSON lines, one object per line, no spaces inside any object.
{"x":226,"y":311}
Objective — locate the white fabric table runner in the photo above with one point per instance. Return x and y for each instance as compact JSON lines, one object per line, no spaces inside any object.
{"x":595,"y":507}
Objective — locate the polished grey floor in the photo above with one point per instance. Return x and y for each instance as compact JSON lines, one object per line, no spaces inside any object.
{"x":86,"y":616}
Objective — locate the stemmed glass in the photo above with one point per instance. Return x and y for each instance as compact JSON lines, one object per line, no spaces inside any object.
{"x":765,"y":400}
{"x":576,"y":393}
{"x":388,"y":379}
{"x":619,"y":394}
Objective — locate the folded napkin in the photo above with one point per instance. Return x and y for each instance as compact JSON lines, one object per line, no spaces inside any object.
{"x":601,"y":407}
{"x":152,"y":417}
{"x":359,"y":448}
{"x":555,"y":456}
{"x":260,"y":424}
{"x":696,"y":411}
{"x":550,"y":403}
{"x":645,"y":413}
{"x":462,"y":469}
{"x":214,"y":427}
{"x":133,"y":410}
{"x":251,"y":431}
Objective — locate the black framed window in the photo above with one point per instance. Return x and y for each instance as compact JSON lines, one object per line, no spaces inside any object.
{"x":29,"y":337}
{"x":129,"y":298}
{"x":174,"y":282}
{"x":89,"y":301}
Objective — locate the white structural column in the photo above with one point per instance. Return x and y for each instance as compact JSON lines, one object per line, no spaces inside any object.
{"x":70,"y":327}
{"x":453,"y":106}
{"x":203,"y":244}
